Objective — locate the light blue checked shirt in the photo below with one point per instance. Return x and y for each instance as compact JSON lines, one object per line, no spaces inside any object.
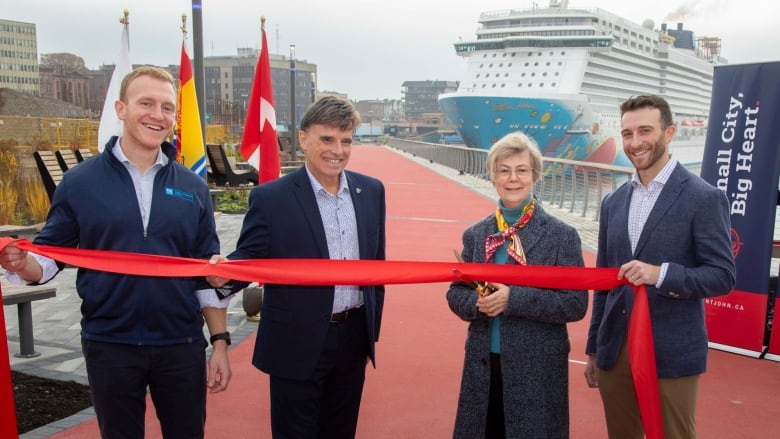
{"x":642,"y":201}
{"x":338,"y":218}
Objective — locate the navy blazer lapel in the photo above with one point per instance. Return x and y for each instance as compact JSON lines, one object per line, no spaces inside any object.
{"x":670,"y":192}
{"x":359,"y":203}
{"x":304,"y":195}
{"x":619,"y":219}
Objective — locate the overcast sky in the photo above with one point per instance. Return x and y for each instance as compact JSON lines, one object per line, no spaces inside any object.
{"x":365,"y":48}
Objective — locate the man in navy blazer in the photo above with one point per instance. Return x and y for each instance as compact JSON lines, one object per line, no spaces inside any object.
{"x":315,"y":341}
{"x":669,"y":230}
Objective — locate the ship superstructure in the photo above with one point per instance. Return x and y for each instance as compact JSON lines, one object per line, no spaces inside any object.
{"x":559,"y":74}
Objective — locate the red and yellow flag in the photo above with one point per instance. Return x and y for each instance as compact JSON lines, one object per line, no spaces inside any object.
{"x":188,"y":134}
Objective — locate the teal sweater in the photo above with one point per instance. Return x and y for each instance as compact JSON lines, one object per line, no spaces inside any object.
{"x":502,"y":257}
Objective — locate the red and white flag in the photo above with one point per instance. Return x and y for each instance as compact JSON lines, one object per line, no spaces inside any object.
{"x":259,"y":144}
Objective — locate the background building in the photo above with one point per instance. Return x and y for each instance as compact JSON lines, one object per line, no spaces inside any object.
{"x":19,"y":57}
{"x":380,"y":110}
{"x":422,"y":97}
{"x":229,"y":83}
{"x":321,"y":94}
{"x":99,"y":80}
{"x":64,"y":76}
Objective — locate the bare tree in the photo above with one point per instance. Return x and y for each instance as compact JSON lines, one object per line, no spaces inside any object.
{"x":64,"y":62}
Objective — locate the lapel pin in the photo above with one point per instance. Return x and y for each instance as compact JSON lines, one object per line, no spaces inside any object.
{"x":358,"y":190}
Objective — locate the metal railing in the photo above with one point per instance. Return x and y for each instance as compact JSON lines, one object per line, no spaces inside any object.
{"x":68,"y":132}
{"x":579,"y":186}
{"x":568,"y":184}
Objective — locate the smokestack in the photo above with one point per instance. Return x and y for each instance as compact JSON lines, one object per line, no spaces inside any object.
{"x":663,"y":27}
{"x":679,"y":26}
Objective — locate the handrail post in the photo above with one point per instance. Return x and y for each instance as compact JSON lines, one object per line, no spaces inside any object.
{"x":586,"y":190}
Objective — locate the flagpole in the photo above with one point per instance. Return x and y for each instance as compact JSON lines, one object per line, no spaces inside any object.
{"x":110,"y":125}
{"x":198,"y":66}
{"x":293,"y":137}
{"x":179,"y":146}
{"x":179,"y":109}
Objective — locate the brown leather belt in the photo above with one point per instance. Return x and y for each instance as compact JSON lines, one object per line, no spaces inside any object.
{"x":343,"y":315}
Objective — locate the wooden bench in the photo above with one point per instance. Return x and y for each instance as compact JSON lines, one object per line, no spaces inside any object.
{"x":288,"y":166}
{"x":292,"y":163}
{"x":50,"y":170}
{"x":222,"y":171}
{"x":238,"y":165}
{"x":66,"y":158}
{"x":22,"y":296}
{"x":83,"y":154}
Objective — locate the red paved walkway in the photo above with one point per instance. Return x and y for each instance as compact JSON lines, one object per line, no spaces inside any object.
{"x":413,"y":392}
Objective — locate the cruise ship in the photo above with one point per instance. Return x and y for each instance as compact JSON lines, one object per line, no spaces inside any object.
{"x":559,"y":74}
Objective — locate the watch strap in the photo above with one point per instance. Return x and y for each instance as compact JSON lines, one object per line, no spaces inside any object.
{"x":220,"y":336}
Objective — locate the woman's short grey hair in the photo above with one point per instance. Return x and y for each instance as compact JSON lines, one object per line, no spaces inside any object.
{"x":511,"y":144}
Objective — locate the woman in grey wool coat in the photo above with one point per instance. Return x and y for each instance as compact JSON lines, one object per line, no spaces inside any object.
{"x":515,"y":372}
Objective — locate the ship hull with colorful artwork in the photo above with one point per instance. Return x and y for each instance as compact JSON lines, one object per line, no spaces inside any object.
{"x":560,"y":74}
{"x":562,"y":129}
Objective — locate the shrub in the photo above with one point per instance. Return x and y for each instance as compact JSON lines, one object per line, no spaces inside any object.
{"x":235,"y":199}
{"x":36,"y":200}
{"x":23,"y":199}
{"x":8,"y":199}
{"x":8,"y":193}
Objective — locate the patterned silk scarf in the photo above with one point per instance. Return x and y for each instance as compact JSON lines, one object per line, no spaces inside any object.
{"x":514,"y":249}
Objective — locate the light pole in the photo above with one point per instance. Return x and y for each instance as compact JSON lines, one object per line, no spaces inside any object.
{"x":293,"y":137}
{"x":370,"y":123}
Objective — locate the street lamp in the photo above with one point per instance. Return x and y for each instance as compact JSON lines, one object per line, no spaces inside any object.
{"x":293,"y":156}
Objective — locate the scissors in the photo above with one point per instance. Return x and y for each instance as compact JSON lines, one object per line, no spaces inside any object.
{"x":483,"y":288}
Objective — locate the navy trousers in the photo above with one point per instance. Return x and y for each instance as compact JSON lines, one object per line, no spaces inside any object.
{"x":325,"y":405}
{"x":120,"y":374}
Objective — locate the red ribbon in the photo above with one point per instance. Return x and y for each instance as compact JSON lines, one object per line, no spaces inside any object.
{"x":641,"y":357}
{"x":8,"y":411}
{"x":366,"y":272}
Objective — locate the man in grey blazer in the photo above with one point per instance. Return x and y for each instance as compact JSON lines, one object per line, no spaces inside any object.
{"x":669,"y":230}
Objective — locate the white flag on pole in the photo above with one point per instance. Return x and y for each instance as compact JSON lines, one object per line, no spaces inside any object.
{"x":110,"y":125}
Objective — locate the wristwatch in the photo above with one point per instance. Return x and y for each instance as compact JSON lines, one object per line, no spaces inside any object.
{"x":221,"y":336}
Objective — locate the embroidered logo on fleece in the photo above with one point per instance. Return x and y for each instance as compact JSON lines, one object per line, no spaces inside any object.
{"x":172,"y":192}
